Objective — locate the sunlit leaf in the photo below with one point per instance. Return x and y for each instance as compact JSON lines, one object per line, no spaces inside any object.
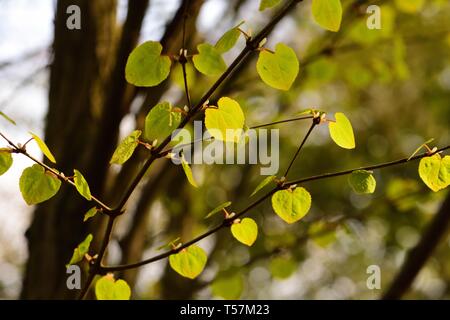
{"x":44,"y":148}
{"x":362,"y":181}
{"x":228,"y":116}
{"x":106,"y":288}
{"x":6,"y":160}
{"x":245,"y":231}
{"x":209,"y":60}
{"x":189,"y":262}
{"x":228,"y":286}
{"x":341,"y":131}
{"x":38,"y":186}
{"x":126,"y":148}
{"x":161,"y":121}
{"x":262,"y":184}
{"x":90,"y":214}
{"x":217,"y":209}
{"x":229,"y":39}
{"x":81,"y":250}
{"x":267,"y":4}
{"x":82,"y":185}
{"x":327,"y":13}
{"x":435,"y":171}
{"x":291,"y":205}
{"x":187,"y":170}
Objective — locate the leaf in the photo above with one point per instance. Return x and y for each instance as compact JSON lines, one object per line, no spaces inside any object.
{"x":282,"y":268}
{"x":37,"y":186}
{"x":228,"y":116}
{"x":262,"y":184}
{"x":341,"y":131}
{"x":82,"y":185}
{"x":90,"y":214}
{"x":245,"y":231}
{"x":229,"y":39}
{"x":161,"y":121}
{"x":126,"y":148}
{"x":106,"y":288}
{"x":435,"y":172}
{"x":187,"y":170}
{"x":266,"y":4}
{"x":291,"y":205}
{"x":218,"y":209}
{"x":189,"y":262}
{"x":6,"y":160}
{"x":45,"y":150}
{"x":362,"y":181}
{"x":81,"y":250}
{"x":7,"y":118}
{"x":208,"y":60}
{"x":146,"y":67}
{"x":229,"y":287}
{"x":327,"y":13}
{"x":280,"y":69}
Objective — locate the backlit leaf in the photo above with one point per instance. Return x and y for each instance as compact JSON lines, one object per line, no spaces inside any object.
{"x":362,"y":181}
{"x":229,"y":39}
{"x":435,"y":171}
{"x":266,"y":4}
{"x":209,"y":60}
{"x":327,"y":13}
{"x":82,"y":185}
{"x":217,"y":209}
{"x":126,"y":148}
{"x":263,"y":183}
{"x":227,"y":117}
{"x":291,"y":205}
{"x":6,"y":160}
{"x":341,"y":131}
{"x":81,"y":250}
{"x":245,"y":231}
{"x":38,"y":186}
{"x":161,"y":121}
{"x":189,"y":262}
{"x":187,"y":170}
{"x":106,"y":288}
{"x":90,"y":214}
{"x":45,"y":150}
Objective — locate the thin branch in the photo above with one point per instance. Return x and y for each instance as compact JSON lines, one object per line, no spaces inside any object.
{"x":281,"y":121}
{"x":183,"y":60}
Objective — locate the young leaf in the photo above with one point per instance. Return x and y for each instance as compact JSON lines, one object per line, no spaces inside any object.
{"x":218,"y":209}
{"x":228,"y":116}
{"x":362,"y":181}
{"x":187,"y":170}
{"x":37,"y":186}
{"x":280,"y":69}
{"x":208,"y":60}
{"x":106,"y":288}
{"x":161,"y":121}
{"x":282,"y":268}
{"x":266,"y":4}
{"x":126,"y":148}
{"x":6,"y":160}
{"x":229,"y":39}
{"x":146,"y":67}
{"x":229,"y":287}
{"x":420,"y":147}
{"x":81,"y":250}
{"x":82,"y":185}
{"x":45,"y":150}
{"x":7,"y":118}
{"x":189,"y":262}
{"x":341,"y":131}
{"x":327,"y":13}
{"x":245,"y":231}
{"x":435,"y":172}
{"x":90,"y":214}
{"x":262,"y":184}
{"x":291,"y":205}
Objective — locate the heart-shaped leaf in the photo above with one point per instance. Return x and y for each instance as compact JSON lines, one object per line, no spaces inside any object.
{"x":229,"y":39}
{"x":266,"y":4}
{"x":146,"y":67}
{"x":262,"y":184}
{"x":245,"y":231}
{"x":37,"y":186}
{"x":44,"y":148}
{"x":362,"y":181}
{"x":161,"y":121}
{"x":81,"y":250}
{"x":225,"y":122}
{"x":189,"y":262}
{"x":279,"y":69}
{"x":90,"y":214}
{"x":209,"y":60}
{"x":327,"y":13}
{"x":341,"y":131}
{"x":218,"y":209}
{"x":106,"y":288}
{"x":82,"y":185}
{"x":6,"y":160}
{"x":435,"y":172}
{"x":291,"y":205}
{"x":126,"y":148}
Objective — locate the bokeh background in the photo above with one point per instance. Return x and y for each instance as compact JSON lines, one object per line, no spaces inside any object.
{"x":393,"y":83}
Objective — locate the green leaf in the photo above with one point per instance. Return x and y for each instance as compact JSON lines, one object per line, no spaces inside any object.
{"x":90,"y":214}
{"x":362,"y":181}
{"x":45,"y":150}
{"x":229,"y":287}
{"x":146,"y":67}
{"x":161,"y":121}
{"x":435,"y":172}
{"x":341,"y":131}
{"x":327,"y":13}
{"x":245,"y":231}
{"x":108,"y":289}
{"x":38,"y":186}
{"x":228,"y":116}
{"x":208,"y":60}
{"x":282,"y":268}
{"x":229,"y":39}
{"x":81,"y":250}
{"x":6,"y":160}
{"x":126,"y":148}
{"x":279,"y":69}
{"x":291,"y":205}
{"x":218,"y":209}
{"x":187,"y":170}
{"x":262,"y":184}
{"x":266,"y":4}
{"x":7,"y":118}
{"x":82,"y":185}
{"x":189,"y":262}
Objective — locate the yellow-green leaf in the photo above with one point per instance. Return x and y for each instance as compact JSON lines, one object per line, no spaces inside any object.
{"x":245,"y":231}
{"x":187,"y":170}
{"x":218,"y":209}
{"x":189,"y":262}
{"x":262,"y":184}
{"x":279,"y":69}
{"x":209,"y":60}
{"x":291,"y":205}
{"x":266,"y":4}
{"x":228,"y":117}
{"x":435,"y":172}
{"x":82,"y":185}
{"x":81,"y":250}
{"x":327,"y":13}
{"x":37,"y":186}
{"x":362,"y":181}
{"x":161,"y":121}
{"x":45,"y":150}
{"x":6,"y":160}
{"x":7,"y":118}
{"x":126,"y":148}
{"x":341,"y":131}
{"x":106,"y":288}
{"x":228,"y":286}
{"x":90,"y":214}
{"x":229,"y":39}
